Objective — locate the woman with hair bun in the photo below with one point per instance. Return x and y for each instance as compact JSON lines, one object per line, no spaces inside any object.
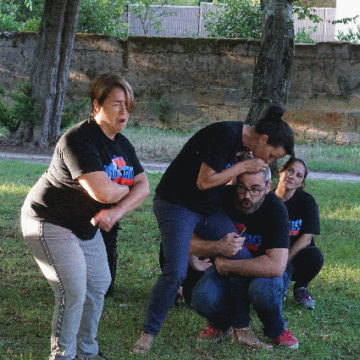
{"x":306,"y":258}
{"x":191,"y":190}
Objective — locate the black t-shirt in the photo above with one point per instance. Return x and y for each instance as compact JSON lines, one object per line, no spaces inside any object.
{"x":303,"y":216}
{"x":58,"y":198}
{"x":215,"y":145}
{"x":266,"y":228}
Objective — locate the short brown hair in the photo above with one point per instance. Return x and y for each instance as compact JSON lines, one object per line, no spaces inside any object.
{"x":104,"y":84}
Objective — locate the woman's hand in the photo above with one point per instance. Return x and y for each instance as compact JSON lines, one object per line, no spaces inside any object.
{"x":254,"y":165}
{"x":199,"y":265}
{"x":105,"y":219}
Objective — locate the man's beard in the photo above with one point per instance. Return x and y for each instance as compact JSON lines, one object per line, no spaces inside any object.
{"x":246,"y":206}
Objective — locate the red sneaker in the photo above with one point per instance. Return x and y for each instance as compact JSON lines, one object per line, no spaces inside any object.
{"x":287,"y":339}
{"x":210,"y":333}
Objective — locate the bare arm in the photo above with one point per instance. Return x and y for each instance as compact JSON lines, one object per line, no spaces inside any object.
{"x":272,"y":264}
{"x":106,"y":218}
{"x":302,"y":242}
{"x":209,"y":178}
{"x":101,"y":188}
{"x":227,"y":246}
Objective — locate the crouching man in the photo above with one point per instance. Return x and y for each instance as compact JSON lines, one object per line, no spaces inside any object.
{"x":258,"y":274}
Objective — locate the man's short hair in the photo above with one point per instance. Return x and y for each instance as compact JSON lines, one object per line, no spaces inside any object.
{"x":246,"y":156}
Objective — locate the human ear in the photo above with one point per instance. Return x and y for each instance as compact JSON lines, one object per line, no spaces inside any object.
{"x":268,"y":187}
{"x":263,"y":139}
{"x":96,"y":106}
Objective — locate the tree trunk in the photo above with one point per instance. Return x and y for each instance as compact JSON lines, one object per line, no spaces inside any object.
{"x":49,"y":75}
{"x":273,"y":68}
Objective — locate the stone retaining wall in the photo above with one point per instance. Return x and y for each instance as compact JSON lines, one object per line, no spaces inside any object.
{"x":183,"y":82}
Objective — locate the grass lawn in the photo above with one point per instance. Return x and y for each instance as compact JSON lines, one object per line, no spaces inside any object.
{"x":329,"y":332}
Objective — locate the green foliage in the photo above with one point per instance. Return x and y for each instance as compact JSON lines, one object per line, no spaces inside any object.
{"x":239,"y":19}
{"x":351,"y":36}
{"x":17,"y":15}
{"x":150,"y":16}
{"x":102,"y":17}
{"x":23,"y":109}
{"x":71,"y":113}
{"x":304,"y":11}
{"x":304,"y":36}
{"x":242,"y":19}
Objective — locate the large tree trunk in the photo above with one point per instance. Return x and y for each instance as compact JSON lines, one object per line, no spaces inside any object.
{"x":272,"y":71}
{"x":49,"y":75}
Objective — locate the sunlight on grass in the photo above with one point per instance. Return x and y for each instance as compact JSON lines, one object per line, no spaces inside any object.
{"x":329,"y":332}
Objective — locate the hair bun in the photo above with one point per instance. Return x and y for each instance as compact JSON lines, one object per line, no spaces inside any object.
{"x":274,"y":112}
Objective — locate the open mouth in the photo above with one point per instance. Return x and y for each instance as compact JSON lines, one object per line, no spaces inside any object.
{"x":246,"y":204}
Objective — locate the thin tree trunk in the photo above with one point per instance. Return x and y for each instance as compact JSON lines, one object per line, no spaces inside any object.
{"x":273,"y":68}
{"x":71,"y":15}
{"x":50,"y":70}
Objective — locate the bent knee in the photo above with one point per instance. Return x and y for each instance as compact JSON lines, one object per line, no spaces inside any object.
{"x":266,"y":292}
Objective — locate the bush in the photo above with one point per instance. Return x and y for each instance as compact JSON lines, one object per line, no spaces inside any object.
{"x":19,"y":15}
{"x":351,"y":36}
{"x":304,"y":36}
{"x":102,"y":17}
{"x":71,"y":113}
{"x":23,"y":109}
{"x":239,"y":19}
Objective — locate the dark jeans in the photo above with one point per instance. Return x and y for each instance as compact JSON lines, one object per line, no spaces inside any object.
{"x":213,"y":297}
{"x":176,"y":224}
{"x":110,"y":241}
{"x":307,"y":263}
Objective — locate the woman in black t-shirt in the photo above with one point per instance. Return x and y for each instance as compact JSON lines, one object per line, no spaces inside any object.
{"x":191,"y":189}
{"x":306,"y":258}
{"x":93,"y":180}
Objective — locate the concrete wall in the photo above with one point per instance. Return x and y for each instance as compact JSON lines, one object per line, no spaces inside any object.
{"x":182,"y":83}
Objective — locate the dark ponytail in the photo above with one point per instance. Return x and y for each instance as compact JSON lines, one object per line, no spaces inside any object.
{"x":279,"y":133}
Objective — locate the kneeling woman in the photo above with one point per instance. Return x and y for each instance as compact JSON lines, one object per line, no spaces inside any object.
{"x":93,"y":180}
{"x":305,"y":257}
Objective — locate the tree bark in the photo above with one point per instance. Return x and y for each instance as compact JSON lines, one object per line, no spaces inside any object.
{"x":273,"y":68}
{"x":49,"y":75}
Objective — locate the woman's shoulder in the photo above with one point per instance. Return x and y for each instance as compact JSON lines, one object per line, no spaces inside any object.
{"x":83,"y":131}
{"x":304,"y":196}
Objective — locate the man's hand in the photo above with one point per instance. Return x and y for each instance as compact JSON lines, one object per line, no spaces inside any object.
{"x":105,"y":219}
{"x":220,"y":262}
{"x":199,"y":265}
{"x":230,"y":244}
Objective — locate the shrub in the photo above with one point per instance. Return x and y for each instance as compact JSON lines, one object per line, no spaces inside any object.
{"x":239,"y":19}
{"x":23,"y":109}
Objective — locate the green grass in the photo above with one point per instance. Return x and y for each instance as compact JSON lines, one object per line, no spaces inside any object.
{"x":329,"y":332}
{"x":159,"y":145}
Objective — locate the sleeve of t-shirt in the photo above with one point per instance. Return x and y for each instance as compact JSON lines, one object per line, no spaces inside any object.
{"x":81,"y":157}
{"x":138,"y":169}
{"x":310,"y":217}
{"x":276,"y":234}
{"x":216,"y":151}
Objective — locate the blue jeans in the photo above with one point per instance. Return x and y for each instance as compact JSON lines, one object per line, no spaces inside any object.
{"x":176,"y":224}
{"x":213,"y":298}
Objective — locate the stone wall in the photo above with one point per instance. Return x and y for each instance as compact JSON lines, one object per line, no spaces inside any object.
{"x":182,"y":83}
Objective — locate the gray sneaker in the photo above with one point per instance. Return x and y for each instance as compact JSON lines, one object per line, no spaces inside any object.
{"x":302,"y":296}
